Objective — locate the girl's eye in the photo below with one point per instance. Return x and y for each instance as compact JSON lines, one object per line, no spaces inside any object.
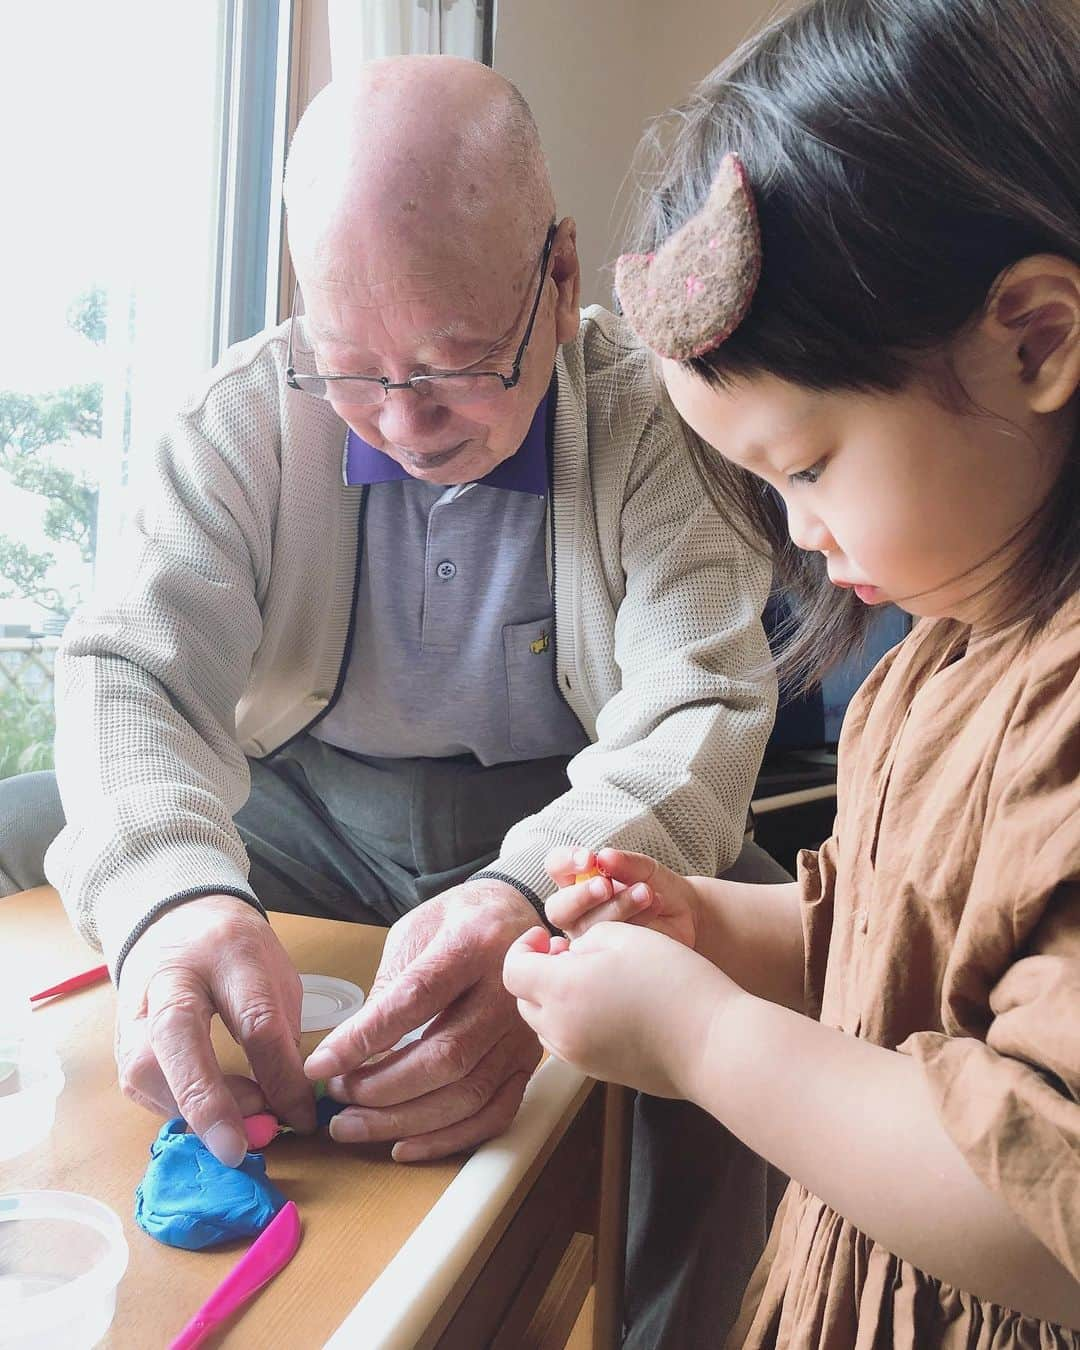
{"x":810,"y":475}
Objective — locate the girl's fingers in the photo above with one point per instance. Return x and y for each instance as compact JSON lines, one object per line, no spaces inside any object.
{"x":565,"y":865}
{"x":525,"y":971}
{"x":536,"y":939}
{"x":568,"y":906}
{"x":623,"y":906}
{"x":630,"y":868}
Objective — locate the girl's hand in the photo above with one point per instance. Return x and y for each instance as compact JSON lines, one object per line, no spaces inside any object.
{"x":625,"y":888}
{"x":621,"y":1003}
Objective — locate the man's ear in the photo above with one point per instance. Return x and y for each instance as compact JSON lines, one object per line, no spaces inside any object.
{"x":566,"y":273}
{"x":1034,"y":308}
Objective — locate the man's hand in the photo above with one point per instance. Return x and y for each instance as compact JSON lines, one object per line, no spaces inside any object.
{"x":463,"y":1081}
{"x":212,"y":955}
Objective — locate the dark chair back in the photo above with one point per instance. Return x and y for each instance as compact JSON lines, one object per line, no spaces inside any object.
{"x":813,"y":721}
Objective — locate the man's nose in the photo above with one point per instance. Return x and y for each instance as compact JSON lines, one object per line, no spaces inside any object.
{"x":407,"y":412}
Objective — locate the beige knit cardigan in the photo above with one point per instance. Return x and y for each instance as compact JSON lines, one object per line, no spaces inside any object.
{"x":226,"y":636}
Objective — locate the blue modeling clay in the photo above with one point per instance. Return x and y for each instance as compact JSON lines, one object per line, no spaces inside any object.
{"x":189,"y":1199}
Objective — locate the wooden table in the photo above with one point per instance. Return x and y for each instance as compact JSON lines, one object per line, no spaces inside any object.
{"x":489,"y":1251}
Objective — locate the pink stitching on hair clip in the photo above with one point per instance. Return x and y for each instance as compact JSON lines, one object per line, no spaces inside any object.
{"x":693,"y":292}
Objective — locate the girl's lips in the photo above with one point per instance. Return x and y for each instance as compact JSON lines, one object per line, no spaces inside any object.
{"x":869,"y":595}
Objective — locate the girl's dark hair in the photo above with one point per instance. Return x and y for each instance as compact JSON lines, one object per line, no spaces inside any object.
{"x":902,"y":153}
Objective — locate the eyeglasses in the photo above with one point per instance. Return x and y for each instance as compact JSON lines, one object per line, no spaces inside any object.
{"x":446,"y":387}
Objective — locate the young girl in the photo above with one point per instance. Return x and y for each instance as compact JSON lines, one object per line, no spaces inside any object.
{"x":860,"y":268}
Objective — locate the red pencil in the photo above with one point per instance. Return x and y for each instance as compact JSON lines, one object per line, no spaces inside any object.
{"x":75,"y":982}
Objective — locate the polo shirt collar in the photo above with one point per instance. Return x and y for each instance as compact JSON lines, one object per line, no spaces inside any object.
{"x":525,"y":471}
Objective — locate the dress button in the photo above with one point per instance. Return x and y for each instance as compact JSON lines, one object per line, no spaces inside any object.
{"x":446,"y":570}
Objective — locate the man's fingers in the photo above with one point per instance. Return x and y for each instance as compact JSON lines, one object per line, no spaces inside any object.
{"x":263,"y":1015}
{"x":249,"y":1097}
{"x":485,"y":1052}
{"x":178,"y":1025}
{"x":142,"y":1081}
{"x":417,"y":994}
{"x":484,"y":1104}
{"x":138,"y":1072}
{"x":486,"y":1124}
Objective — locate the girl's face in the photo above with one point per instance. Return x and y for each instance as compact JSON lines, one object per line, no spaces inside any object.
{"x":907,"y":499}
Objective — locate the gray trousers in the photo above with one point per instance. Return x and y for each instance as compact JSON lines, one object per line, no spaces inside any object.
{"x":333,"y":834}
{"x":323,"y":828}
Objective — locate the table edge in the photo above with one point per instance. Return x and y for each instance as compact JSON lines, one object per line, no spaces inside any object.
{"x":398,"y":1307}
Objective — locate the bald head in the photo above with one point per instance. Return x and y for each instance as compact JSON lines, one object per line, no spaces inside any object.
{"x":432,"y":148}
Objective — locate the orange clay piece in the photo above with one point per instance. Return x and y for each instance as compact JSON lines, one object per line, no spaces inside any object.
{"x":588,"y":876}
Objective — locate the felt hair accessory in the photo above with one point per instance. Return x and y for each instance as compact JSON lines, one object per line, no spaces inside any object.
{"x":694,"y":291}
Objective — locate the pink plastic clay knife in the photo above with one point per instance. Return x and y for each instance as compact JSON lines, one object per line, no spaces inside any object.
{"x":75,"y":982}
{"x":271,"y":1251}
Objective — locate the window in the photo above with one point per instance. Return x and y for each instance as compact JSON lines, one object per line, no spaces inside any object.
{"x":141,"y":235}
{"x":363,"y":29}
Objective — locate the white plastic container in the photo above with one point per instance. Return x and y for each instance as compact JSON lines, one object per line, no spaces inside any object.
{"x":328,"y":1001}
{"x":30,"y":1082}
{"x":61,"y":1258}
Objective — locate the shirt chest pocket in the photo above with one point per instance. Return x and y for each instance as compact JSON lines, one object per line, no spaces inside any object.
{"x":540,"y":722}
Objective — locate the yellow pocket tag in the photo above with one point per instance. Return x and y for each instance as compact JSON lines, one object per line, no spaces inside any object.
{"x":540,"y":645}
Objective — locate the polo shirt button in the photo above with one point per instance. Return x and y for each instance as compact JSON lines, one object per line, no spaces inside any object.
{"x":446,"y":570}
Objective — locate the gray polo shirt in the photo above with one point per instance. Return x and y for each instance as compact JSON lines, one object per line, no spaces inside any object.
{"x":453,"y":636}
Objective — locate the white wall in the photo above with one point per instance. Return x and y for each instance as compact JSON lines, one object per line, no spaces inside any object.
{"x":595,"y":72}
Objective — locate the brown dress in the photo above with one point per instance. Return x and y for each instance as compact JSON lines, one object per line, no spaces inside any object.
{"x":942,"y":919}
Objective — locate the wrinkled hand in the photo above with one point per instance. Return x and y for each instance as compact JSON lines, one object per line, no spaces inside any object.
{"x":633,"y":889}
{"x":463,"y":1081}
{"x":622,"y":1003}
{"x":214,"y":954}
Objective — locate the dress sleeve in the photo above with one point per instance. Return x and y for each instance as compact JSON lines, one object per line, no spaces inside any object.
{"x":1005,"y":1072}
{"x":816,"y":874}
{"x":1011,"y":1103}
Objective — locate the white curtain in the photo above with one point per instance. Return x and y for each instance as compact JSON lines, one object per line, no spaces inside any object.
{"x":363,"y":29}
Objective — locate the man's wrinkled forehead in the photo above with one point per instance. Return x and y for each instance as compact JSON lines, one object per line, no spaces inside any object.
{"x":451,"y":294}
{"x":344,"y":325}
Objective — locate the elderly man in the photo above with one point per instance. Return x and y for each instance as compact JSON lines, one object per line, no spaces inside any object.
{"x":517,"y":623}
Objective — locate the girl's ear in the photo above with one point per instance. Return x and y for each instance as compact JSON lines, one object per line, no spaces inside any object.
{"x":1034,"y":309}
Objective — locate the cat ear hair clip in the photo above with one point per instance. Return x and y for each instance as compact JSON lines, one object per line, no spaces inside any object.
{"x":693,"y":292}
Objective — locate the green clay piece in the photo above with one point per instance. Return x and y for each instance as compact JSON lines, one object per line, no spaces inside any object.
{"x":320,"y":1092}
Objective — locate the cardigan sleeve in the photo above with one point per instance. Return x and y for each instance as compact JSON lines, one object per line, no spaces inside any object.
{"x":148,"y":677}
{"x":679,"y":742}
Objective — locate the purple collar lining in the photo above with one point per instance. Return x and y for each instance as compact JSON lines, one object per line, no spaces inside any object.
{"x":525,"y":471}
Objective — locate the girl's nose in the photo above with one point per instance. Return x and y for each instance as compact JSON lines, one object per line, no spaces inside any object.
{"x":808,"y":531}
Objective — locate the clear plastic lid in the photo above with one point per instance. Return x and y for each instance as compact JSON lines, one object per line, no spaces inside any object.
{"x":16,"y":1010}
{"x":31,"y":1079}
{"x":62,"y":1256}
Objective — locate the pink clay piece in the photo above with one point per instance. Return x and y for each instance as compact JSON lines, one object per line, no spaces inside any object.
{"x":260,"y":1130}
